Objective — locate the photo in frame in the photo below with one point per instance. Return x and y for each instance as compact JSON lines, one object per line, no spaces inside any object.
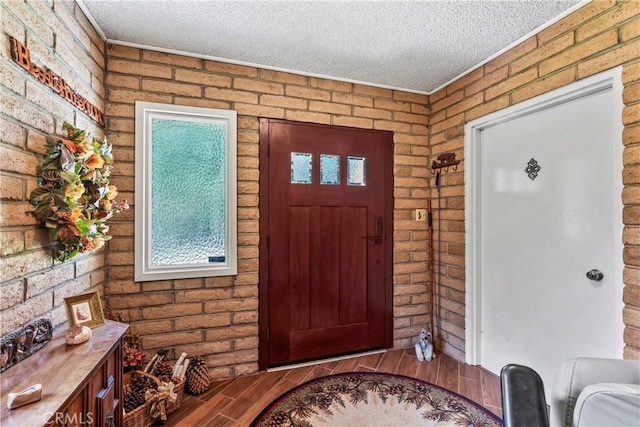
{"x":85,"y":310}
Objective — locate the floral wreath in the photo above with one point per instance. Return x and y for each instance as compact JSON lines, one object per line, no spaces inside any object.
{"x":74,"y":198}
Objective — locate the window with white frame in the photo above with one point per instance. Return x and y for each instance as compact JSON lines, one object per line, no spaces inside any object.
{"x":185,"y":192}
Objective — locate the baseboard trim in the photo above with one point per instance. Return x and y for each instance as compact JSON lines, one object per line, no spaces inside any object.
{"x":321,"y":361}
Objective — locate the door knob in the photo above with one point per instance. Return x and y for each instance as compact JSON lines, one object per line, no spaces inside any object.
{"x":595,"y":274}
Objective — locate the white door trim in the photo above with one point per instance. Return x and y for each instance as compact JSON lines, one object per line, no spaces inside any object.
{"x":611,"y":79}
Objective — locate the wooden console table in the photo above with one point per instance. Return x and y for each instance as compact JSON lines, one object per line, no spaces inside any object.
{"x":81,"y":384}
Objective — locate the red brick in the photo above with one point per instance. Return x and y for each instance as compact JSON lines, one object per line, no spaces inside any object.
{"x":410,"y":118}
{"x":623,"y":12}
{"x":391,"y":125}
{"x":167,"y":58}
{"x":572,"y":21}
{"x":511,"y":83}
{"x":18,"y":161}
{"x":371,"y":113}
{"x":353,"y":121}
{"x":202,"y":295}
{"x":11,"y":188}
{"x":173,"y":310}
{"x":138,"y":68}
{"x":332,"y":85}
{"x":579,"y":52}
{"x":302,"y":92}
{"x":12,"y":294}
{"x":202,"y":78}
{"x":283,"y":101}
{"x":225,"y":68}
{"x":142,"y":300}
{"x":377,"y":92}
{"x":512,"y":54}
{"x":629,"y":31}
{"x":231,"y":95}
{"x":351,"y":99}
{"x":258,"y":86}
{"x":167,"y":340}
{"x":260,"y":111}
{"x":202,"y":321}
{"x":542,"y":52}
{"x":283,"y":77}
{"x":418,"y":98}
{"x":612,"y":58}
{"x":547,"y":84}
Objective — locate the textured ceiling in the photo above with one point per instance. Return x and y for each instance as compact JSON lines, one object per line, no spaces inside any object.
{"x":413,"y":45}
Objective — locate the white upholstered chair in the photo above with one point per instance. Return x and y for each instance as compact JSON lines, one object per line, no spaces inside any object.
{"x":586,"y":392}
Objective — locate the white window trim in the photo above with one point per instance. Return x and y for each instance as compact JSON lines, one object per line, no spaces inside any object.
{"x":144,"y":271}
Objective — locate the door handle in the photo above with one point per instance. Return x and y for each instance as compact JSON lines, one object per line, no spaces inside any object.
{"x":377,"y":230}
{"x":595,"y":275}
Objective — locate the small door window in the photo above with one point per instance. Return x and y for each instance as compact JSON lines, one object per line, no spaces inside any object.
{"x":356,"y":171}
{"x":330,"y":169}
{"x":301,"y":168}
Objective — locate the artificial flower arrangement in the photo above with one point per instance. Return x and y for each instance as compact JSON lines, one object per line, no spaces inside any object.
{"x":74,"y":198}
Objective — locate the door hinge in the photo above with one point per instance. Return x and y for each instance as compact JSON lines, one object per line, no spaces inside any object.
{"x":268,"y":150}
{"x":268,"y":334}
{"x":268,"y":242}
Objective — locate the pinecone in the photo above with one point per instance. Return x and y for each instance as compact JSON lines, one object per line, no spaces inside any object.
{"x":134,"y":392}
{"x":164,"y":371}
{"x":133,"y":400}
{"x":197,"y":377}
{"x":141,"y":382}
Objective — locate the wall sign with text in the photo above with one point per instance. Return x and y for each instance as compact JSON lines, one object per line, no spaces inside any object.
{"x":21,"y":56}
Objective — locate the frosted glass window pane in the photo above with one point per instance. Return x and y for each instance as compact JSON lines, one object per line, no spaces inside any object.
{"x":300,"y":168}
{"x":329,"y":169}
{"x":188,"y":192}
{"x":356,"y":171}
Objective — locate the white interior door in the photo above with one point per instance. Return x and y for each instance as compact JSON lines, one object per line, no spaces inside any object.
{"x":542,"y":226}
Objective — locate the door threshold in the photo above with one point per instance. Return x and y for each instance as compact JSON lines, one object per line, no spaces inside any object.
{"x":320,"y":361}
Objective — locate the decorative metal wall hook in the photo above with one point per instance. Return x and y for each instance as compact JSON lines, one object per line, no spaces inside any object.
{"x":445,"y":161}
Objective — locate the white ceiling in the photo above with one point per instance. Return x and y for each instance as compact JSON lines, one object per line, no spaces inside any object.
{"x":413,"y":45}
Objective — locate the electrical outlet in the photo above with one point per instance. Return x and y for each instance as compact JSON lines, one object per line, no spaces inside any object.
{"x":421,"y":214}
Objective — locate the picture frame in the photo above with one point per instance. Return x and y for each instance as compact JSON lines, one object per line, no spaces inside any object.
{"x":85,"y":310}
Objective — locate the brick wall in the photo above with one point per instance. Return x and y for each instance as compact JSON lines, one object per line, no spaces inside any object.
{"x":60,"y":38}
{"x":597,"y":37}
{"x":217,"y":317}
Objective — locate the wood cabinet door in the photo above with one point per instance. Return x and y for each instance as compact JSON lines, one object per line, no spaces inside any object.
{"x":106,"y":405}
{"x":329,"y":240}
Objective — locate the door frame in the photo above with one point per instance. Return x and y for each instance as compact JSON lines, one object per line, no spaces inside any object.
{"x":263,"y":246}
{"x":611,"y":79}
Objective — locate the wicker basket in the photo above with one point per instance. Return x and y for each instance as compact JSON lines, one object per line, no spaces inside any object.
{"x":141,"y":416}
{"x":178,"y":390}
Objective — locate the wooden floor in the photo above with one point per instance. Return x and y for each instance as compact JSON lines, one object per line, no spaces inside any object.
{"x":236,"y":402}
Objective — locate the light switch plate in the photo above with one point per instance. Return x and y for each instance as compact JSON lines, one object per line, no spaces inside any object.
{"x":421,"y":214}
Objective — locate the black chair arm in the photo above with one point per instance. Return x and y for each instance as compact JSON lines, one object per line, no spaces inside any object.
{"x":523,"y":400}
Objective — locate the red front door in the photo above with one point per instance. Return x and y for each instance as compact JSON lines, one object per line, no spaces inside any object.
{"x":329,"y":243}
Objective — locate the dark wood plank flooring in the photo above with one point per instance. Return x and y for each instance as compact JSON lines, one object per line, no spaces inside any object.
{"x":236,"y":402}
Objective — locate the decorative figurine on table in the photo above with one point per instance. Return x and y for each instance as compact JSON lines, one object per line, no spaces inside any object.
{"x":20,"y":344}
{"x":28,"y":395}
{"x":77,"y":335}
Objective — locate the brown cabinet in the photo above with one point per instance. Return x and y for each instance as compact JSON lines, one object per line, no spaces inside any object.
{"x":81,"y":384}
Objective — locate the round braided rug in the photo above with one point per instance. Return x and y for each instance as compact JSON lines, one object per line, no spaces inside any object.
{"x":373,"y":399}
